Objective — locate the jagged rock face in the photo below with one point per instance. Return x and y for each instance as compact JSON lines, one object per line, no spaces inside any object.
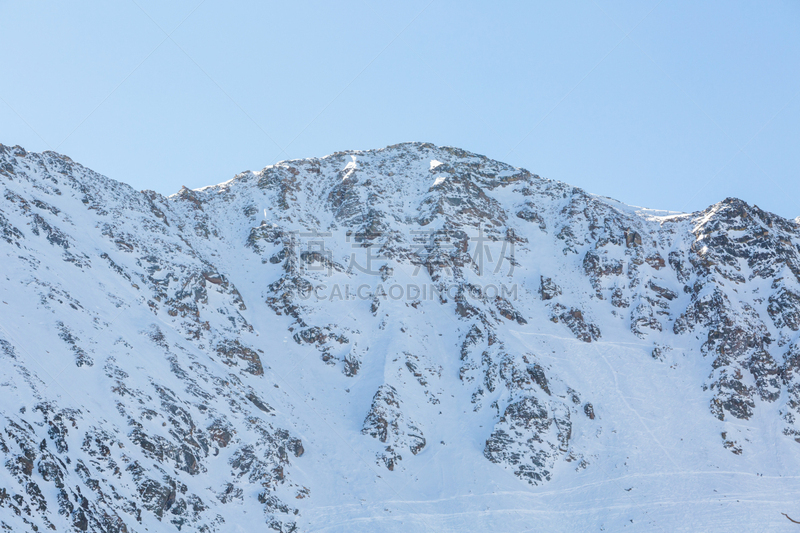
{"x":387,"y":423}
{"x":212,"y":358}
{"x":530,"y":439}
{"x":738,"y":245}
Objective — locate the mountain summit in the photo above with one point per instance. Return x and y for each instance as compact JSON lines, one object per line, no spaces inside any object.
{"x":416,"y":338}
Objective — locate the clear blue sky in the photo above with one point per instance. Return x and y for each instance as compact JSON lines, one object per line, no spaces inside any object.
{"x":671,"y":104}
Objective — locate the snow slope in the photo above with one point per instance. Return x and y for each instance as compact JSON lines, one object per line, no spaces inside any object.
{"x":415,"y":338}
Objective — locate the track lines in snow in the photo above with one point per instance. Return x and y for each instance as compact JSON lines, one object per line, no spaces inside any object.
{"x":699,"y":515}
{"x":370,"y":466}
{"x":634,"y":411}
{"x":582,"y":345}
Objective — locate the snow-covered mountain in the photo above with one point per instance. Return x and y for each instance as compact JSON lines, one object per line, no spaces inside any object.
{"x":416,"y":338}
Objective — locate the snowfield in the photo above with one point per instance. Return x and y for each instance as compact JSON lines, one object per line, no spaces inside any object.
{"x":415,"y":338}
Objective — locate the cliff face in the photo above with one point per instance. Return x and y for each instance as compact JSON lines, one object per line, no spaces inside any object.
{"x":410,"y":338}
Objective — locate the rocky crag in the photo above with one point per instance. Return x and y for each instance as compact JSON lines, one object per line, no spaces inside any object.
{"x":373,"y":330}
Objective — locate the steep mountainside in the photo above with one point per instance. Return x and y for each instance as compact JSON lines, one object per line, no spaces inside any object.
{"x":415,"y":338}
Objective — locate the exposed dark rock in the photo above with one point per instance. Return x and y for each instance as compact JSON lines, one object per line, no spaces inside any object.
{"x":387,"y":423}
{"x":528,"y":440}
{"x":548,"y":289}
{"x":573,"y":319}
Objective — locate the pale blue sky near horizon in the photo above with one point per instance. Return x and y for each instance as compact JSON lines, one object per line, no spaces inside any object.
{"x":663,"y":104}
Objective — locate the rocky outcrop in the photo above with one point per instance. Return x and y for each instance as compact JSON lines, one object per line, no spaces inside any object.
{"x":198,"y":321}
{"x":573,"y":319}
{"x":386,"y":422}
{"x":530,"y":438}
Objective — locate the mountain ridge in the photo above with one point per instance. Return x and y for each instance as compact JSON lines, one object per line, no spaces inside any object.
{"x":257,"y":368}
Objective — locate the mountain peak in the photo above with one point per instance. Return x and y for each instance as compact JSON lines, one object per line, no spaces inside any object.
{"x":389,"y":340}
